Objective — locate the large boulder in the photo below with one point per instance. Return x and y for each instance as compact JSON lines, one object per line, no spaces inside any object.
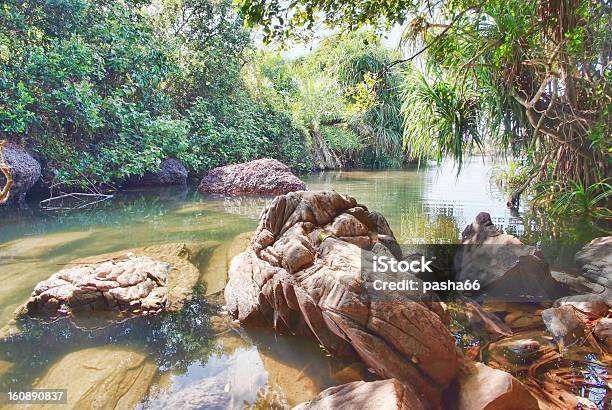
{"x":595,"y":261}
{"x":259,"y":177}
{"x":171,"y":172}
{"x":136,"y":282}
{"x":387,"y":394}
{"x":302,"y":274}
{"x":505,"y":268}
{"x":108,"y":378}
{"x":25,"y":172}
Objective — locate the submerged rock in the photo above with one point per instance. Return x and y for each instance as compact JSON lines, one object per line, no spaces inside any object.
{"x":302,"y":275}
{"x":171,"y":172}
{"x":482,"y":387}
{"x":25,"y":172}
{"x":259,"y":177}
{"x":595,"y":260}
{"x":141,"y":281}
{"x":107,"y":378}
{"x":564,"y":325}
{"x":387,"y":394}
{"x":505,"y":268}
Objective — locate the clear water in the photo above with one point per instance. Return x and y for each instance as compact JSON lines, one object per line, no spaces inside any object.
{"x":257,"y":368}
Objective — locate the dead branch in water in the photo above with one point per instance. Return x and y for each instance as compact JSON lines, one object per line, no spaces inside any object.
{"x":84,"y":200}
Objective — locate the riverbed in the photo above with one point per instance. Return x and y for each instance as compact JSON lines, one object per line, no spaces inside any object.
{"x":188,"y":355}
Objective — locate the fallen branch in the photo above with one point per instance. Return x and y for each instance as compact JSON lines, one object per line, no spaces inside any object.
{"x":47,"y":204}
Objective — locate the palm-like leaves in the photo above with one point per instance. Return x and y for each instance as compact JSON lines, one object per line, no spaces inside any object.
{"x":440,"y":121}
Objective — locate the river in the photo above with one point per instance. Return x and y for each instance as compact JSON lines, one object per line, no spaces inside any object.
{"x":427,"y":205}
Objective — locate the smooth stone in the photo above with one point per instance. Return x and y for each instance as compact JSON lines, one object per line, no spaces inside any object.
{"x":214,"y":274}
{"x":592,"y":305}
{"x":387,"y":394}
{"x":482,"y":387}
{"x":100,"y":378}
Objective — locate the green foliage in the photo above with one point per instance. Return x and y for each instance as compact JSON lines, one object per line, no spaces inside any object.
{"x":343,"y":90}
{"x":574,"y":198}
{"x":536,"y":73}
{"x":440,"y":121}
{"x":104,"y":90}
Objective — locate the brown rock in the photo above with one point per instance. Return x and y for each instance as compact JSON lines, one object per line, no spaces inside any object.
{"x":383,"y":394}
{"x":505,"y":268}
{"x":297,"y":277}
{"x":259,"y":177}
{"x":603,"y":332}
{"x":594,"y":306}
{"x":108,"y":378}
{"x":565,"y":325}
{"x":485,"y":388}
{"x":141,"y":281}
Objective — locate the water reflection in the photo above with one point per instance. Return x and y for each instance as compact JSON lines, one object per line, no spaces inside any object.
{"x":195,"y":362}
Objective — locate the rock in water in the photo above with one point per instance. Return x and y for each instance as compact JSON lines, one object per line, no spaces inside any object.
{"x":603,"y":333}
{"x":506,"y":269}
{"x":302,"y":274}
{"x":141,"y":281}
{"x":595,"y":260}
{"x":486,"y":388}
{"x":382,"y":394}
{"x":135,"y":284}
{"x":259,"y":177}
{"x":171,"y":172}
{"x":108,"y":378}
{"x":25,"y":171}
{"x":564,"y":325}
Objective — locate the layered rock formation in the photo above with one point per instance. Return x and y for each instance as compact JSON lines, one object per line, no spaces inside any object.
{"x":141,"y":281}
{"x":25,"y":171}
{"x":259,"y":177}
{"x":302,"y":274}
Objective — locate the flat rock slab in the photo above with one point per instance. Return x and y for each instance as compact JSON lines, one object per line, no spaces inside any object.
{"x":259,"y":177}
{"x":108,"y":378}
{"x":133,"y":284}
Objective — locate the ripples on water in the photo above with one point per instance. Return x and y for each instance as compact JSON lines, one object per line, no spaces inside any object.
{"x":430,"y":205}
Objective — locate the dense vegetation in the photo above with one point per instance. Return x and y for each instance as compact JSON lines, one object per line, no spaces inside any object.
{"x":531,"y":77}
{"x":104,"y":90}
{"x":337,"y":95}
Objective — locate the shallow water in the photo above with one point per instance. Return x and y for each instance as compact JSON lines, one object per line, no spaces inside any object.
{"x":258,"y":369}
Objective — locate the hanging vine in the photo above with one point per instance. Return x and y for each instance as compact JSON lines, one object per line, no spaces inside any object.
{"x":6,"y":170}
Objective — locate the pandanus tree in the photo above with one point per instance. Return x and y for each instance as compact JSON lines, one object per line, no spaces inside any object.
{"x":531,"y":76}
